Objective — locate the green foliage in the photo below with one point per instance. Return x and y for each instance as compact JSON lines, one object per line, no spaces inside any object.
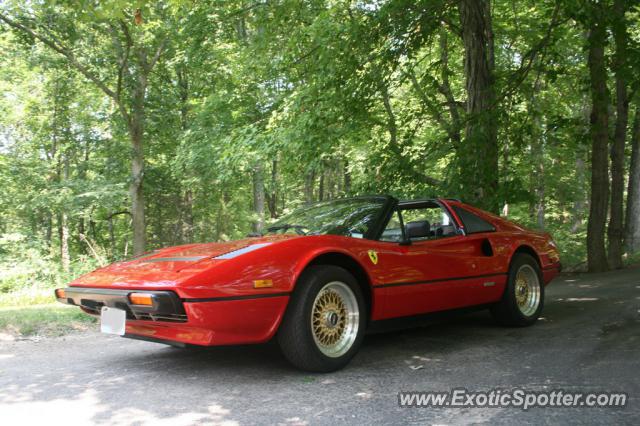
{"x":27,"y":275}
{"x":302,"y":100}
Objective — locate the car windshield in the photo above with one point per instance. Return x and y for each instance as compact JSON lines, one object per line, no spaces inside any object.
{"x":353,"y":217}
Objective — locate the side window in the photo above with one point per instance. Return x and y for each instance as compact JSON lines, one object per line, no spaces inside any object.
{"x":472,"y":223}
{"x":425,"y":223}
{"x":393,"y":231}
{"x":437,"y":220}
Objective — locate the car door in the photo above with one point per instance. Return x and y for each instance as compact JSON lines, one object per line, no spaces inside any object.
{"x":439,"y":271}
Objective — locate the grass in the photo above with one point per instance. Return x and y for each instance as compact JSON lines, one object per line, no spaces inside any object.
{"x":29,"y":309}
{"x":48,"y":320}
{"x":27,"y":297}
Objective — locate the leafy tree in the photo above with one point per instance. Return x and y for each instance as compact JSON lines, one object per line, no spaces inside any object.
{"x":126,"y":125}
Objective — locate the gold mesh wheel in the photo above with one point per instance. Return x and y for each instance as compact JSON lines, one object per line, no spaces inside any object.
{"x":335,"y":319}
{"x":527,"y":290}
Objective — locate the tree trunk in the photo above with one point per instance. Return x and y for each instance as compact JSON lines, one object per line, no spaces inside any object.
{"x":49,"y":228}
{"x":632,"y":223}
{"x":63,"y":229}
{"x":81,"y":231}
{"x":82,"y":166}
{"x":615,"y":230}
{"x":135,"y":189}
{"x":479,"y":155}
{"x":65,"y":257}
{"x":596,"y":254}
{"x":321,"y":187}
{"x":537,"y":157}
{"x":63,"y":220}
{"x":258,"y":197}
{"x":540,"y":195}
{"x":272,"y":196}
{"x":309,"y":178}
{"x":136,"y":133}
{"x":221,"y":227}
{"x":347,"y":178}
{"x":112,"y":237}
{"x":445,"y":89}
{"x":186,"y":215}
{"x":579,"y":203}
{"x":328,"y":180}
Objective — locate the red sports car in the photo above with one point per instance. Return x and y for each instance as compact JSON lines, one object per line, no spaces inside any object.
{"x":317,"y":279}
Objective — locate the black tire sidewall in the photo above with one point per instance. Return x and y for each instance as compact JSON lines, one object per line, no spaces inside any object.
{"x":509,"y":298}
{"x":297,"y":321}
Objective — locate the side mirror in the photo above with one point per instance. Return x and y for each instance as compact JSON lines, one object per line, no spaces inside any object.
{"x":417,"y":229}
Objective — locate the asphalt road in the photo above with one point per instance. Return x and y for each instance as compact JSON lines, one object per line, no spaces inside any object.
{"x":588,"y":340}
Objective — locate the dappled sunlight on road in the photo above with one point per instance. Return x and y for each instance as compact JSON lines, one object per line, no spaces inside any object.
{"x":48,"y":396}
{"x":582,"y":299}
{"x":215,"y":415}
{"x":24,"y":407}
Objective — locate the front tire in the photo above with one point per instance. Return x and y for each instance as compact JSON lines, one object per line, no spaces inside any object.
{"x":523,"y":297}
{"x":325,"y":320}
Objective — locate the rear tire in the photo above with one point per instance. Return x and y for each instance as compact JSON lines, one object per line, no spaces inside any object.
{"x":325,"y":320}
{"x":523,"y":297}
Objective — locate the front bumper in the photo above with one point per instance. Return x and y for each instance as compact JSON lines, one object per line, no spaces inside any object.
{"x":172,"y":320}
{"x":166,"y":306}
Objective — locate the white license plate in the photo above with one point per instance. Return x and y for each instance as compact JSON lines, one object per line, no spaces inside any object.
{"x":112,"y":320}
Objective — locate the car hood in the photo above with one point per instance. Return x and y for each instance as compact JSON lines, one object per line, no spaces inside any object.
{"x":172,"y":264}
{"x":196,"y":252}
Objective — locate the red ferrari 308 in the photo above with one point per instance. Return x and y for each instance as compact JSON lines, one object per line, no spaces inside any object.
{"x":318,"y":278}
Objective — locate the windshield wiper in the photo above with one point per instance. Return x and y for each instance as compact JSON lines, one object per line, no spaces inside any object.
{"x":286,"y":226}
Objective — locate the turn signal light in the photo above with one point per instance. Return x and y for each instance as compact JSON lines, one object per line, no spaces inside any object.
{"x":262,"y":283}
{"x":60,"y":294}
{"x":141,"y":299}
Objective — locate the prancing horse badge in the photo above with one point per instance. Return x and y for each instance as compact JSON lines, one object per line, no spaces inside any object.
{"x":373,"y":255}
